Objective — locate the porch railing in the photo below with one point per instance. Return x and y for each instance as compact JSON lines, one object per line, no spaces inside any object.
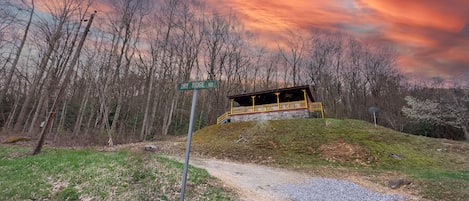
{"x":316,"y":107}
{"x":269,"y":107}
{"x":313,"y":107}
{"x":223,"y":117}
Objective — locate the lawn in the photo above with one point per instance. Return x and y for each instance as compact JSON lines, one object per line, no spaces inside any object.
{"x":64,"y":174}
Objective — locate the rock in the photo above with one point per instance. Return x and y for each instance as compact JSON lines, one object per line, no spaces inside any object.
{"x":241,"y":139}
{"x":397,"y":183}
{"x":150,"y":147}
{"x":398,"y":157}
{"x":371,"y":159}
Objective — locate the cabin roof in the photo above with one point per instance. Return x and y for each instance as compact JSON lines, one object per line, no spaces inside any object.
{"x":268,"y":96}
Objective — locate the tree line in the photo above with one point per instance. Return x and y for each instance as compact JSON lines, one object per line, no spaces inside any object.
{"x":120,"y":85}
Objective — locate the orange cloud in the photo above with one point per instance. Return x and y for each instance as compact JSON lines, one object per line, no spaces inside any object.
{"x":447,"y":15}
{"x":425,"y":32}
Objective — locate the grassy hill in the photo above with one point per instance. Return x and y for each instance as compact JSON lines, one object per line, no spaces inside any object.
{"x":62,"y":174}
{"x":438,"y":168}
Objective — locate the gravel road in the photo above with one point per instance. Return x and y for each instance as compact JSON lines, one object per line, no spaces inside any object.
{"x":333,"y":190}
{"x":260,"y":183}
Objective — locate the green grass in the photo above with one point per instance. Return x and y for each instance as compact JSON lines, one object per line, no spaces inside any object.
{"x":61,"y":174}
{"x":436,"y":165}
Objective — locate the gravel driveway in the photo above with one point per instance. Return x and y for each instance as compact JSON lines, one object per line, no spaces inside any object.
{"x":260,"y":183}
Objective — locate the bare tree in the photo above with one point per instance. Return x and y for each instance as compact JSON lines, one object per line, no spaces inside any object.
{"x":130,"y":23}
{"x":18,"y":54}
{"x":62,"y":16}
{"x":59,"y":62}
{"x":217,"y":33}
{"x":87,"y":78}
{"x":294,"y":57}
{"x":62,"y":88}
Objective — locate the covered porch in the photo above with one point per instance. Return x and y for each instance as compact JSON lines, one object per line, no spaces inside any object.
{"x":271,"y":101}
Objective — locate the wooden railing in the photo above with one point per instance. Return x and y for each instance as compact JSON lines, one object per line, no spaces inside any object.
{"x":313,"y":107}
{"x":269,"y":107}
{"x":316,"y":107}
{"x":223,"y":117}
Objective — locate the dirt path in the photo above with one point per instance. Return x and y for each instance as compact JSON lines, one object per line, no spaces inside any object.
{"x":252,"y":182}
{"x":255,"y":182}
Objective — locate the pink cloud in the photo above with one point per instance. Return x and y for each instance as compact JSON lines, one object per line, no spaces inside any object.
{"x":425,"y":32}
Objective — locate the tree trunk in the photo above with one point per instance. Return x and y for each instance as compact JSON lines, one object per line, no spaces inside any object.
{"x":62,"y":89}
{"x":154,"y":110}
{"x":466,"y":132}
{"x":144,"y":131}
{"x":23,"y":130}
{"x":169,"y":115}
{"x":115,"y":120}
{"x":37,"y":112}
{"x":84,"y":102}
{"x":62,"y":116}
{"x":11,"y":116}
{"x":88,"y":123}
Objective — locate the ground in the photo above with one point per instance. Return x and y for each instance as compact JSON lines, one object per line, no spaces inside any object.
{"x":255,"y":182}
{"x":242,"y":169}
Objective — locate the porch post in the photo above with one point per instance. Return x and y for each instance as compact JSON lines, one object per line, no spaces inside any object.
{"x":306,"y":98}
{"x":322,"y":110}
{"x":253,"y":102}
{"x":278,"y":100}
{"x":231,"y":105}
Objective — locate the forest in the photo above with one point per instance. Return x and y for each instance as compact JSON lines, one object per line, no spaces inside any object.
{"x":80,"y":77}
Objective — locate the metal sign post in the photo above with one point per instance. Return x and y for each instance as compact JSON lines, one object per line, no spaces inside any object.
{"x":192,"y":86}
{"x":374,"y":110}
{"x":188,"y":146}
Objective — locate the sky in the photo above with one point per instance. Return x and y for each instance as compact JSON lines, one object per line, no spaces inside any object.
{"x":431,"y":36}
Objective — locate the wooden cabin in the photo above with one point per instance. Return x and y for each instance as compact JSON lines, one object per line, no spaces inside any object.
{"x":287,"y":103}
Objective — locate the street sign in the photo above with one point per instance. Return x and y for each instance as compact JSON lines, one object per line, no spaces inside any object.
{"x":208,"y":84}
{"x":374,"y":110}
{"x":196,"y":85}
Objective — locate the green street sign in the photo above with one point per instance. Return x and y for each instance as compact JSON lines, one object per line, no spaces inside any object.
{"x":208,"y":84}
{"x":192,"y":86}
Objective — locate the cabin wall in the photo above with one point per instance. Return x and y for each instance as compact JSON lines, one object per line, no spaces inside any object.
{"x":277,"y":115}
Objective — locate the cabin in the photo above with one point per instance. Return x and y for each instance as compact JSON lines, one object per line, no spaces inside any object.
{"x":286,"y":103}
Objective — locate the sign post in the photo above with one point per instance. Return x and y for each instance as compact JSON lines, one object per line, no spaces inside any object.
{"x":195,"y":86}
{"x":374,"y":110}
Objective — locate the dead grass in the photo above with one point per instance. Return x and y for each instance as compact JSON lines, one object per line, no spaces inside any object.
{"x":14,"y":139}
{"x":340,"y":151}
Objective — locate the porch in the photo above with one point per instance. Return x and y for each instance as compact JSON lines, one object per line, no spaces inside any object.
{"x":272,"y":101}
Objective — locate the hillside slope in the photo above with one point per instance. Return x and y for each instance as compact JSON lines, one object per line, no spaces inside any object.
{"x":439,"y":168}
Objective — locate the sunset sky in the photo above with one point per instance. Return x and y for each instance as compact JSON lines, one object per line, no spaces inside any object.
{"x":428,"y":34}
{"x":431,"y":36}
